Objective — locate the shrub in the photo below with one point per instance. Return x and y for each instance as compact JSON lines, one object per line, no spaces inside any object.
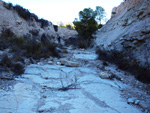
{"x":25,"y":14}
{"x":33,"y":49}
{"x":18,"y":68}
{"x":113,"y":13}
{"x":17,"y":41}
{"x":62,"y":25}
{"x":6,"y":33}
{"x":8,"y":6}
{"x":44,"y":23}
{"x":84,"y":43}
{"x":88,"y":24}
{"x":125,"y":62}
{"x":5,"y":61}
{"x":22,"y":12}
{"x":69,"y":26}
{"x":34,"y":32}
{"x":55,"y":28}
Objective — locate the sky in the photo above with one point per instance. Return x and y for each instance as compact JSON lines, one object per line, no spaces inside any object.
{"x":64,"y":10}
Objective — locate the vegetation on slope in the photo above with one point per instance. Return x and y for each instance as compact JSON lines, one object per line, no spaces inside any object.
{"x":89,"y":21}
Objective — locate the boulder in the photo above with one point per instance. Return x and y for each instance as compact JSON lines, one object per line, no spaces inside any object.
{"x":105,"y":75}
{"x":50,"y":62}
{"x":18,"y":68}
{"x":69,"y":63}
{"x":131,"y":101}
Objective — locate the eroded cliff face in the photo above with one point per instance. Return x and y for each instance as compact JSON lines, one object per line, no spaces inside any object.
{"x":9,"y":19}
{"x":128,"y":29}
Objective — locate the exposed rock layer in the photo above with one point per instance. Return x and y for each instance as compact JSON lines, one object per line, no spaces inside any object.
{"x":128,"y":28}
{"x":9,"y":19}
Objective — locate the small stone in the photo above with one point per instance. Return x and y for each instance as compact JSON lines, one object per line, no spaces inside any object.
{"x":42,"y":91}
{"x":122,"y":79}
{"x":104,"y":75}
{"x":46,"y":77}
{"x":137,"y":102}
{"x":131,"y":101}
{"x":43,"y":87}
{"x":58,"y":63}
{"x":38,"y":63}
{"x":50,"y":62}
{"x":41,"y":110}
{"x":140,"y":86}
{"x":69,"y":63}
{"x":27,"y":61}
{"x":44,"y":96}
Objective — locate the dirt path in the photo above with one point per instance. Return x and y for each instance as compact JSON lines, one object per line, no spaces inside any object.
{"x":75,"y":87}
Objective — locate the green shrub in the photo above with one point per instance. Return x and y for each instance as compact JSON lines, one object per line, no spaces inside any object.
{"x":17,"y":41}
{"x":8,"y":5}
{"x":69,"y":26}
{"x":22,"y":12}
{"x":113,"y":13}
{"x":6,"y":33}
{"x":5,"y":61}
{"x":44,"y":23}
{"x":17,"y":68}
{"x":87,"y":24}
{"x":84,"y":43}
{"x":62,"y":25}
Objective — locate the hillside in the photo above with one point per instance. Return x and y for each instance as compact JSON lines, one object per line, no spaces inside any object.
{"x":128,"y":31}
{"x":41,"y":71}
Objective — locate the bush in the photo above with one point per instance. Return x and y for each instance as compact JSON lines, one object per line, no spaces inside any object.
{"x":125,"y":62}
{"x":5,"y":61}
{"x":18,"y":68}
{"x":17,"y":41}
{"x":6,"y":33}
{"x":21,"y":48}
{"x":44,"y":23}
{"x":33,"y":49}
{"x":34,"y":32}
{"x":62,"y":25}
{"x":113,"y":13}
{"x":22,"y":12}
{"x":84,"y":43}
{"x":55,"y":28}
{"x":8,"y":6}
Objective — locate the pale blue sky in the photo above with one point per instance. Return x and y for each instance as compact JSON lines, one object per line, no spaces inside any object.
{"x":64,"y":10}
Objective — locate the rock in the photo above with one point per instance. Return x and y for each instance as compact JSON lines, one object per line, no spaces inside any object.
{"x":33,"y":61}
{"x":18,"y":22}
{"x":6,"y":75}
{"x":69,"y":63}
{"x":127,"y":39}
{"x":44,"y":96}
{"x":143,"y":105}
{"x":58,"y":63}
{"x":50,"y":62}
{"x":137,"y":102}
{"x":105,"y":75}
{"x":131,"y":100}
{"x":27,"y":61}
{"x":42,"y":91}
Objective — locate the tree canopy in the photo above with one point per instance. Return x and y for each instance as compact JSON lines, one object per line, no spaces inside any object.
{"x":100,"y":13}
{"x":88,"y":21}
